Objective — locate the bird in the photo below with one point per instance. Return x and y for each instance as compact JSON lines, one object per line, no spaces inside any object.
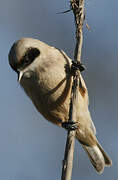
{"x":44,"y":72}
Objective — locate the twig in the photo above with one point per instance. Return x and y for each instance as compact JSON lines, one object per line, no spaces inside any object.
{"x":78,"y":9}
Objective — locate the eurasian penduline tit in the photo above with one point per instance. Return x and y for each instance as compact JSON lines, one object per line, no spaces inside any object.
{"x":44,"y":72}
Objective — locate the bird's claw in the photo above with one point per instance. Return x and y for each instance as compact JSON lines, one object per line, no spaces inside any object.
{"x":77,"y":66}
{"x":70,"y":126}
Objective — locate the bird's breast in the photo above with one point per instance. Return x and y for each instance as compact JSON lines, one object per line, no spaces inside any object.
{"x":49,"y":91}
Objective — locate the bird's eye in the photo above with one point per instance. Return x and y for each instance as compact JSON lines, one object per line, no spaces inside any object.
{"x":30,"y":55}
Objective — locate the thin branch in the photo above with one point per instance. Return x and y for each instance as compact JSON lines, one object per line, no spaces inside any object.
{"x":69,"y":150}
{"x":78,"y":9}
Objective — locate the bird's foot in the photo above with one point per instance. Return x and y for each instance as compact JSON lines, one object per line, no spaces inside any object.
{"x":70,"y":126}
{"x":77,"y":66}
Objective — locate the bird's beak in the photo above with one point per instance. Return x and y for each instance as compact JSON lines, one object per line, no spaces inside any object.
{"x":20,"y":73}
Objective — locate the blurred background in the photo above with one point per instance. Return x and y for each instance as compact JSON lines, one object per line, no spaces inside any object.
{"x":30,"y":147}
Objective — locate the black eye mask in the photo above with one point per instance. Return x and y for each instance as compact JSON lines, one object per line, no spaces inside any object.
{"x":28,"y":57}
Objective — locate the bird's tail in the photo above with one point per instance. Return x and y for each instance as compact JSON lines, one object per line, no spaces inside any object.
{"x":98,"y":157}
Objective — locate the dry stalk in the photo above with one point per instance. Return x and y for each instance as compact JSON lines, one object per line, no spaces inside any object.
{"x":78,"y":9}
